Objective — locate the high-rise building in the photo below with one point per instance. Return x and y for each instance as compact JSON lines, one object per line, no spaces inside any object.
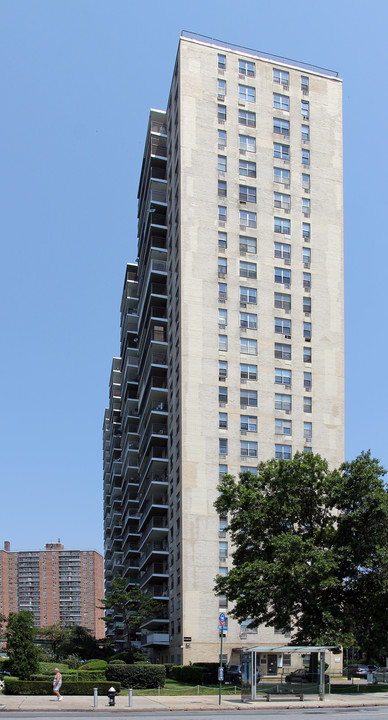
{"x":58,"y":586}
{"x":231,"y":325}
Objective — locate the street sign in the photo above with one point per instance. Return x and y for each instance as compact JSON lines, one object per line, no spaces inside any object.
{"x":222,"y":619}
{"x":220,"y":674}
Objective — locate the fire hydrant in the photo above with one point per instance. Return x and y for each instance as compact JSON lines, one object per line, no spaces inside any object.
{"x":111,"y":695}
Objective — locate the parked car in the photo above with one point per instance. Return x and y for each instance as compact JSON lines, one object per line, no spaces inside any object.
{"x":233,"y":674}
{"x":302,"y":675}
{"x":380,"y":675}
{"x":360,"y":671}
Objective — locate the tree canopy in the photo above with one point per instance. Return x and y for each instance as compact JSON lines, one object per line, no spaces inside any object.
{"x":22,"y":652}
{"x":128,"y":607}
{"x":310,"y":550}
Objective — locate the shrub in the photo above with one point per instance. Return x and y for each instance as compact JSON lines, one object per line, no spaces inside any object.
{"x":73,"y":661}
{"x":117,"y":662}
{"x":94,"y":665}
{"x":169,"y":667}
{"x":137,"y":676}
{"x":125,"y":655}
{"x":24,"y":687}
{"x":211,"y":676}
{"x":47,"y":668}
{"x":86,"y":675}
{"x":191,"y":674}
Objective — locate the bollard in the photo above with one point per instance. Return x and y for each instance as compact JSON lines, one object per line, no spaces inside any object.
{"x":130,"y":697}
{"x":197,"y":689}
{"x":95,"y":697}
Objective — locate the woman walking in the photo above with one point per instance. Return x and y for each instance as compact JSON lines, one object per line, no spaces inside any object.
{"x":57,"y":682}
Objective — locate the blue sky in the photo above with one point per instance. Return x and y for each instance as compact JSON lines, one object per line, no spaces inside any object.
{"x":78,"y":79}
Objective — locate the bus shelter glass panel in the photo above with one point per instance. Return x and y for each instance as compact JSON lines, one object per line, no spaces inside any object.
{"x":246,"y":674}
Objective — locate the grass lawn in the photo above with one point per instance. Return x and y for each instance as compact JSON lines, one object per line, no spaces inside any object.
{"x":172,"y":687}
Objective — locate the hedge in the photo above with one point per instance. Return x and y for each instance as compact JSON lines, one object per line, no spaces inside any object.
{"x":45,"y":687}
{"x":211,"y":677}
{"x":340,"y":688}
{"x":94,"y":665}
{"x":49,"y":668}
{"x":137,"y":676}
{"x":95,"y":675}
{"x":191,"y":674}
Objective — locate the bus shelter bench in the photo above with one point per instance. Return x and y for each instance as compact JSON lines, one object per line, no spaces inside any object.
{"x":279,"y":691}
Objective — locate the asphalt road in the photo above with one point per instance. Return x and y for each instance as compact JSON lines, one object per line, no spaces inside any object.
{"x":373,"y":713}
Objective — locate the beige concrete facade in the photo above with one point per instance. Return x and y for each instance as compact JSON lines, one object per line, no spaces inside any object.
{"x":248,"y":196}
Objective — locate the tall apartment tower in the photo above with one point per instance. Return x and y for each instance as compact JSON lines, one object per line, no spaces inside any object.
{"x":58,"y":586}
{"x":231,"y":325}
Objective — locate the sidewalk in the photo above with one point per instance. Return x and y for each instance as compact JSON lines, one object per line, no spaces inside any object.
{"x":39,"y":703}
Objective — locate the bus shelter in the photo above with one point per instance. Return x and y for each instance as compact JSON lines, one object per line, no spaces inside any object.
{"x":249,"y":670}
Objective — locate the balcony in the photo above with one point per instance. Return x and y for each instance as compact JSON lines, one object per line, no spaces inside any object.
{"x":156,"y":639}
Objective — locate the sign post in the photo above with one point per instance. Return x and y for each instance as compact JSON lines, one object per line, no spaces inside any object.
{"x":222,"y":620}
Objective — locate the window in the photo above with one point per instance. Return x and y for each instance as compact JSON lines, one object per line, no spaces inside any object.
{"x":307,"y":380}
{"x":222,"y":317}
{"x":306,"y":157}
{"x":223,"y":549}
{"x":247,"y":68}
{"x":248,"y":244}
{"x":247,"y":143}
{"x":248,"y":448}
{"x":247,"y":168}
{"x":248,"y":269}
{"x":222,"y":470}
{"x":307,"y":404}
{"x":221,"y":139}
{"x":248,"y":397}
{"x":282,"y":275}
{"x":307,"y":449}
{"x":248,"y":423}
{"x":280,"y":76}
{"x":246,"y":93}
{"x":248,"y":468}
{"x":283,"y":427}
{"x":305,"y":132}
{"x":281,"y":102}
{"x":282,"y":300}
{"x":222,"y":191}
{"x":305,"y":109}
{"x":248,"y":219}
{"x":224,"y":571}
{"x":283,"y":326}
{"x":222,"y":291}
{"x":222,"y":240}
{"x":248,"y":372}
{"x":307,"y":281}
{"x":223,"y":342}
{"x":223,"y":446}
{"x":222,"y":523}
{"x":222,"y":266}
{"x":248,"y":320}
{"x":281,"y":200}
{"x":304,"y":83}
{"x":282,"y":127}
{"x":282,"y":250}
{"x":223,"y":420}
{"x":245,"y":627}
{"x":222,"y":394}
{"x":307,"y":430}
{"x":306,"y":255}
{"x":306,"y":231}
{"x":221,"y":163}
{"x":247,"y":193}
{"x":283,"y":402}
{"x":307,"y":330}
{"x":307,"y":354}
{"x":307,"y":305}
{"x":281,"y":151}
{"x":306,"y":206}
{"x":306,"y":182}
{"x":282,"y":377}
{"x":221,"y":213}
{"x":248,"y":346}
{"x":281,"y":225}
{"x":221,"y":113}
{"x":283,"y":452}
{"x":281,"y":175}
{"x":222,"y":369}
{"x":248,"y":295}
{"x":221,"y":88}
{"x":247,"y":117}
{"x":282,"y":351}
{"x":221,"y":61}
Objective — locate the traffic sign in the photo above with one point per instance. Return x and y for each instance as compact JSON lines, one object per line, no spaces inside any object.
{"x":222,"y":619}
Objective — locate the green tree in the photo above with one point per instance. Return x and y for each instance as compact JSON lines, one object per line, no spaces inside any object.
{"x":22,"y":652}
{"x":53,"y":636}
{"x":127,"y":607}
{"x":78,"y":640}
{"x":310,"y":548}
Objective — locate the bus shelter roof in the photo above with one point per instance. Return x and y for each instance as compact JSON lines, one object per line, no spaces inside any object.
{"x":289,"y":648}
